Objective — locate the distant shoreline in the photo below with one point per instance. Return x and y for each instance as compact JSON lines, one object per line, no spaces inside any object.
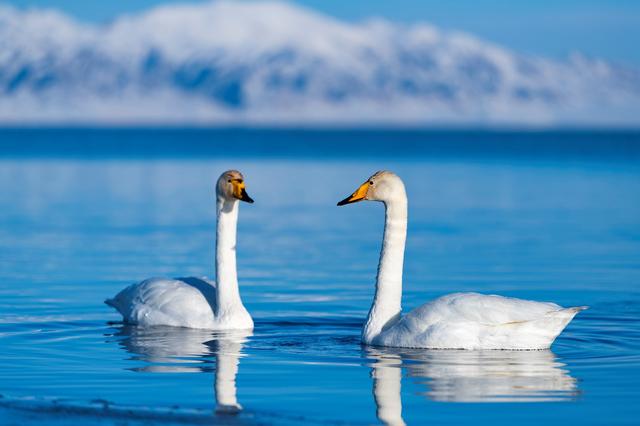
{"x":352,"y":144}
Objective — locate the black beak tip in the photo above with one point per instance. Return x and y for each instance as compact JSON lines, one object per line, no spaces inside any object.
{"x":245,"y":197}
{"x":343,"y":202}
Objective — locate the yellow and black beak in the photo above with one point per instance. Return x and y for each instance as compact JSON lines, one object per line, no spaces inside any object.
{"x":239,"y":191}
{"x":359,"y":195}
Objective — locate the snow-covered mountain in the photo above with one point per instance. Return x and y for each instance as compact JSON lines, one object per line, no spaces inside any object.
{"x":275,"y":63}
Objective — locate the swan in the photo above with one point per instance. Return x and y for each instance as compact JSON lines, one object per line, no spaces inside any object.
{"x":196,"y":302}
{"x":454,"y":321}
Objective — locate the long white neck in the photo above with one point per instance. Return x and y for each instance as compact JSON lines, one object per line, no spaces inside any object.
{"x":386,"y":306}
{"x":227,"y":294}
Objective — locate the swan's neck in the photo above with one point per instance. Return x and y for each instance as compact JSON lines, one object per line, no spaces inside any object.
{"x":387,"y":301}
{"x":227,"y":294}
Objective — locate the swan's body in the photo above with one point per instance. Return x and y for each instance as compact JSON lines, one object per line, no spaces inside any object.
{"x":196,"y":302}
{"x":454,"y":321}
{"x":477,"y":321}
{"x":181,"y":302}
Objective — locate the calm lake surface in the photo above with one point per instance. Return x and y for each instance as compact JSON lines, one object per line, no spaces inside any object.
{"x":545,"y":216}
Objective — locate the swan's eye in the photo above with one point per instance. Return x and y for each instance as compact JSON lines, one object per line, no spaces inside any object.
{"x":371,"y":182}
{"x":229,"y":181}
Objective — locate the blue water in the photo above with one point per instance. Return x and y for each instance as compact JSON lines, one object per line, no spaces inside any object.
{"x":85,"y":212}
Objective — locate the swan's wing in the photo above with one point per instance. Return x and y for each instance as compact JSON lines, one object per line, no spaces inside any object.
{"x":481,"y":308}
{"x":478,"y":321}
{"x":185,"y":302}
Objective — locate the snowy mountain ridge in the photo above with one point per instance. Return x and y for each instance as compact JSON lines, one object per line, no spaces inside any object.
{"x":230,"y":62}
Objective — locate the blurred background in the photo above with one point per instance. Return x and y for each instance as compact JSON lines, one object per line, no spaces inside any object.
{"x":414,"y":63}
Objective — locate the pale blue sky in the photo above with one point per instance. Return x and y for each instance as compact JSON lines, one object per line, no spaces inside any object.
{"x":604,"y":28}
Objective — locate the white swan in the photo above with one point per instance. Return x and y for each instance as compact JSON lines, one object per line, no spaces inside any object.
{"x":196,"y":302}
{"x":454,"y":321}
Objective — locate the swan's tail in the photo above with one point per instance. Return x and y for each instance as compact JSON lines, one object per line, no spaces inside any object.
{"x":115,"y":303}
{"x":559,"y":319}
{"x":556,"y":321}
{"x":538,"y":333}
{"x":574,"y":309}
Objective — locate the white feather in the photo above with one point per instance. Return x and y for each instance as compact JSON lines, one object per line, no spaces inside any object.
{"x":182,"y":302}
{"x":478,"y":321}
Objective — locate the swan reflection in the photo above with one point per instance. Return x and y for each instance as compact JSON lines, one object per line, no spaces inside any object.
{"x":184,"y":350}
{"x":467,"y":376}
{"x":386,"y":373}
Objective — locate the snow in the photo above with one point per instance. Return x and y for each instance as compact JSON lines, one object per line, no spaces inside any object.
{"x":273,"y":62}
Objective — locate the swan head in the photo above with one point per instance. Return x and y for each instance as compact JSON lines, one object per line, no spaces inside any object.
{"x":231,"y":187}
{"x":383,"y":186}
